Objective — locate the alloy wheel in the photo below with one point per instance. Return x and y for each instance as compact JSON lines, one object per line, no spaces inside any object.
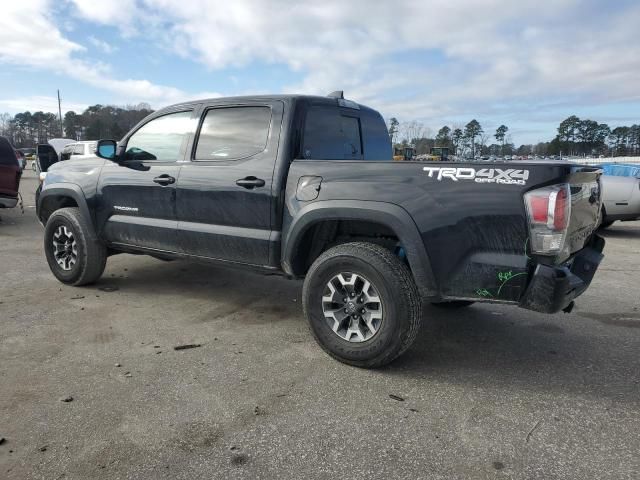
{"x":352,"y":307}
{"x":65,"y":248}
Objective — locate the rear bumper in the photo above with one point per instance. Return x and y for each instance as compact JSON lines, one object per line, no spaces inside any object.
{"x":553,"y":288}
{"x":7,"y":201}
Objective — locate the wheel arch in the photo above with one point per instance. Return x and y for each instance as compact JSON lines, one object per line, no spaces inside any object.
{"x":62,"y":195}
{"x":392,"y":219}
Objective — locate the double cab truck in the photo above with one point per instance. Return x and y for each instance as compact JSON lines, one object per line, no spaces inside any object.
{"x":306,"y":186}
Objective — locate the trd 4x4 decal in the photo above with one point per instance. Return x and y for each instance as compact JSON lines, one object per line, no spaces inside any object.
{"x":507,"y":176}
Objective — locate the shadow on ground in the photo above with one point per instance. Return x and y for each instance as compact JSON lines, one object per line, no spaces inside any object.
{"x":487,"y":346}
{"x":619,"y":230}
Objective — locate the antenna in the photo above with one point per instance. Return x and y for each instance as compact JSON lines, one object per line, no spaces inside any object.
{"x":60,"y":115}
{"x":336,"y":94}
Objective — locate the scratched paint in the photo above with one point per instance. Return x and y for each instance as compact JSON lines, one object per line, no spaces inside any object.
{"x":503,"y":279}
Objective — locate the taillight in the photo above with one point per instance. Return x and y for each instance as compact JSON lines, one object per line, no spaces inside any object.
{"x":549,"y":210}
{"x":562,"y":209}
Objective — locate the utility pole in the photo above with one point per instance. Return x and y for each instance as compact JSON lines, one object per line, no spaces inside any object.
{"x":60,"y":115}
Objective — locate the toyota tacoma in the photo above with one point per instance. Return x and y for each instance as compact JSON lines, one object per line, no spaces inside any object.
{"x":307,"y":187}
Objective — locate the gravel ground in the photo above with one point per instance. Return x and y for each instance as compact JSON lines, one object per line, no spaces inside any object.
{"x":488,"y":392}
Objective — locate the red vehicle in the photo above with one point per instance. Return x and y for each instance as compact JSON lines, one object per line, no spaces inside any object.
{"x":10,"y":173}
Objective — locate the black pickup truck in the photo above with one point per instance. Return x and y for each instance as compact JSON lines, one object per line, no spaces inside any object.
{"x":306,"y":186}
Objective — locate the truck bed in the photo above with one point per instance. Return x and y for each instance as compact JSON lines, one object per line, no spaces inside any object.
{"x":471,"y":216}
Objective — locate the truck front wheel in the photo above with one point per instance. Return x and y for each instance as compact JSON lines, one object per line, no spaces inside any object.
{"x":362,"y":304}
{"x":73,"y":253}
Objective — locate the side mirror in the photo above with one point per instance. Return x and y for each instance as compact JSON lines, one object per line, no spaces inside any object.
{"x":106,"y":149}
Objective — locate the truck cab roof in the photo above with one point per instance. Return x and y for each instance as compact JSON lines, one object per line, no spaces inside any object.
{"x":289,"y":98}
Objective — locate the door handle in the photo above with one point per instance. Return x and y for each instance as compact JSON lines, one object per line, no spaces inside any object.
{"x":164,"y":180}
{"x":250,"y":182}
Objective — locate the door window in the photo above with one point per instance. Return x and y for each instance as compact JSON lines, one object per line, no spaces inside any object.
{"x":233,"y":133}
{"x":162,"y":139}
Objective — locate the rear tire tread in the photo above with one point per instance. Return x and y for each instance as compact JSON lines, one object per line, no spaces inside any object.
{"x":397,"y":271}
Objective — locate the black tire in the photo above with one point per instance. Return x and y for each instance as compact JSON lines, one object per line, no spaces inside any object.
{"x":91,"y":253}
{"x":454,"y":304}
{"x":401,"y":303}
{"x":605,"y":225}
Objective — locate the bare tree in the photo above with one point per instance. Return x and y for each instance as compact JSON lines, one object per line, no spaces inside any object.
{"x":412,"y":131}
{"x":483,"y":139}
{"x":5,"y":118}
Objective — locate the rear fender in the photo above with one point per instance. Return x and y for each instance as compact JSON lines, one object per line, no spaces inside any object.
{"x":390,"y":215}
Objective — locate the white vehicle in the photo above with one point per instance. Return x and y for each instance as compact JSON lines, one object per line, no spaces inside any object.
{"x":620,"y":199}
{"x":49,"y":153}
{"x":85,"y":149}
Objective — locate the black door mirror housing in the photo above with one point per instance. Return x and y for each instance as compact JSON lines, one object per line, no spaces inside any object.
{"x":106,"y":149}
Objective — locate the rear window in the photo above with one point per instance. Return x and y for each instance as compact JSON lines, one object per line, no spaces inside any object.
{"x":232,"y":133}
{"x":330,"y":135}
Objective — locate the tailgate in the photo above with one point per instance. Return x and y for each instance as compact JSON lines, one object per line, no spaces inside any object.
{"x":586,"y":202}
{"x":9,"y":180}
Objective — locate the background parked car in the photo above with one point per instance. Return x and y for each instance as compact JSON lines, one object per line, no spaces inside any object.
{"x":620,"y":198}
{"x":85,"y":149}
{"x":22,"y":161}
{"x":49,"y":153}
{"x":10,"y":173}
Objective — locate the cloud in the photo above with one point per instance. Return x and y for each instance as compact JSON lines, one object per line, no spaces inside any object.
{"x":437,"y":61}
{"x":28,"y":37}
{"x":35,"y":103}
{"x":490,"y":54}
{"x":109,"y":12}
{"x":101,"y":45}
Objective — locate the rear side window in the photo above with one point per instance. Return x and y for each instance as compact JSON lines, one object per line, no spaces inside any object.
{"x":377,"y":144}
{"x":161,"y":139}
{"x":232,"y":133}
{"x":330,"y":135}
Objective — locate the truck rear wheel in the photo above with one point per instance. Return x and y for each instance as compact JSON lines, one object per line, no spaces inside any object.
{"x":362,"y":304}
{"x":74,"y":255}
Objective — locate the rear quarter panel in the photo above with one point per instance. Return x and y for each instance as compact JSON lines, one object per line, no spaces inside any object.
{"x":475,"y":234}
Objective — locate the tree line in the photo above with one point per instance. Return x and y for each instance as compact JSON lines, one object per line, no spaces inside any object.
{"x":574,"y":137}
{"x":27,"y":129}
{"x":467,"y":140}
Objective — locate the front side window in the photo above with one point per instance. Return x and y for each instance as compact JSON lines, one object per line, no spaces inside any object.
{"x":162,"y":139}
{"x":233,"y":133}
